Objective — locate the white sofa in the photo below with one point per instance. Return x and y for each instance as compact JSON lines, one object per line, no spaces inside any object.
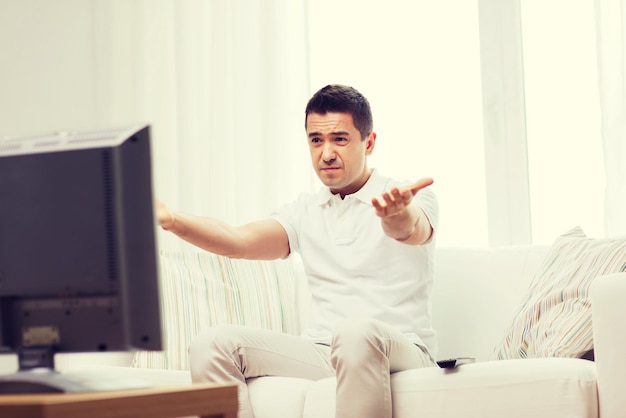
{"x":476,"y":293}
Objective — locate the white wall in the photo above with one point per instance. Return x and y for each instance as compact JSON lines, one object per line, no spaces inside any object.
{"x":47,"y":67}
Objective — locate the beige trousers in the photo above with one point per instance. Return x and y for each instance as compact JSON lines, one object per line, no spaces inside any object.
{"x":363,"y":354}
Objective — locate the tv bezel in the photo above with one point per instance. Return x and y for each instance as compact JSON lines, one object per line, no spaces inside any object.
{"x":92,"y":286}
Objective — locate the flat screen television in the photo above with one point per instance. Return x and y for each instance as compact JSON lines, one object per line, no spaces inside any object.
{"x":78,"y":258}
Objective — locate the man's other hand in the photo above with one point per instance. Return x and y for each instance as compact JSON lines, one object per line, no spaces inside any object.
{"x":393,"y":202}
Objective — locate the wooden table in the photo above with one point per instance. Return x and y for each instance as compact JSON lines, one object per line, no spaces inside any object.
{"x":204,"y":400}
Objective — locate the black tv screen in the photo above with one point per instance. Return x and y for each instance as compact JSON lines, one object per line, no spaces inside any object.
{"x":78,"y":259}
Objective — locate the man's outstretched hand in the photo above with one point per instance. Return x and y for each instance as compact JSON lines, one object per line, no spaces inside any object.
{"x":164,"y":215}
{"x":394,"y":201}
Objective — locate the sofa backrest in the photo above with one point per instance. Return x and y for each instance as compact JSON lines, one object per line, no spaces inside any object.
{"x":200,"y":289}
{"x":476,"y":294}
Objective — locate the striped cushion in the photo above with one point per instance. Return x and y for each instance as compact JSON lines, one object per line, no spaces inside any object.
{"x":200,"y":289}
{"x":554,"y":319}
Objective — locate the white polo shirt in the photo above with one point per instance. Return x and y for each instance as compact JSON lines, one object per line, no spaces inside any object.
{"x":354,"y":269}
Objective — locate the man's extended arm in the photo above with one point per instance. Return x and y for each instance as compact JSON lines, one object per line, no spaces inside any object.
{"x":259,"y":240}
{"x":400,"y":220}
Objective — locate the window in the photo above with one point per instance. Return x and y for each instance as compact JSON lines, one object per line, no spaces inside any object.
{"x":419,"y":64}
{"x":565,"y":162}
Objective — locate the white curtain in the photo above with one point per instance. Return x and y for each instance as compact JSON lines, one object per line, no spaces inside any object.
{"x":611,"y":47}
{"x":223,"y":84}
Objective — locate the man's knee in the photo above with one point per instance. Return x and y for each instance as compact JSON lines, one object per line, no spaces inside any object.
{"x":222,"y":338}
{"x":355,"y":340}
{"x":214,"y":349}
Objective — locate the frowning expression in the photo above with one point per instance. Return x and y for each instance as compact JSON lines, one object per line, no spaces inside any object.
{"x":338,"y":152}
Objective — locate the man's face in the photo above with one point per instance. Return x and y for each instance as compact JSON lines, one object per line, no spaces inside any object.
{"x":338,"y":154}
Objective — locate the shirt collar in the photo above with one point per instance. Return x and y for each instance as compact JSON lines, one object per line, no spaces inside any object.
{"x":374,"y":187}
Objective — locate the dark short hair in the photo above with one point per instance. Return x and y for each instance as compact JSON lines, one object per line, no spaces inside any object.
{"x":342,"y":99}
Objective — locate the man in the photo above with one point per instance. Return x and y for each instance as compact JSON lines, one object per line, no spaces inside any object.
{"x":367,"y":245}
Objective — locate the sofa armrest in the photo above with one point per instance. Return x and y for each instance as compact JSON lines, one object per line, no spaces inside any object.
{"x":608,"y":294}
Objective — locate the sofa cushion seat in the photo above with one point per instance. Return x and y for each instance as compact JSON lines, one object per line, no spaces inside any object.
{"x":275,"y":397}
{"x":520,"y":388}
